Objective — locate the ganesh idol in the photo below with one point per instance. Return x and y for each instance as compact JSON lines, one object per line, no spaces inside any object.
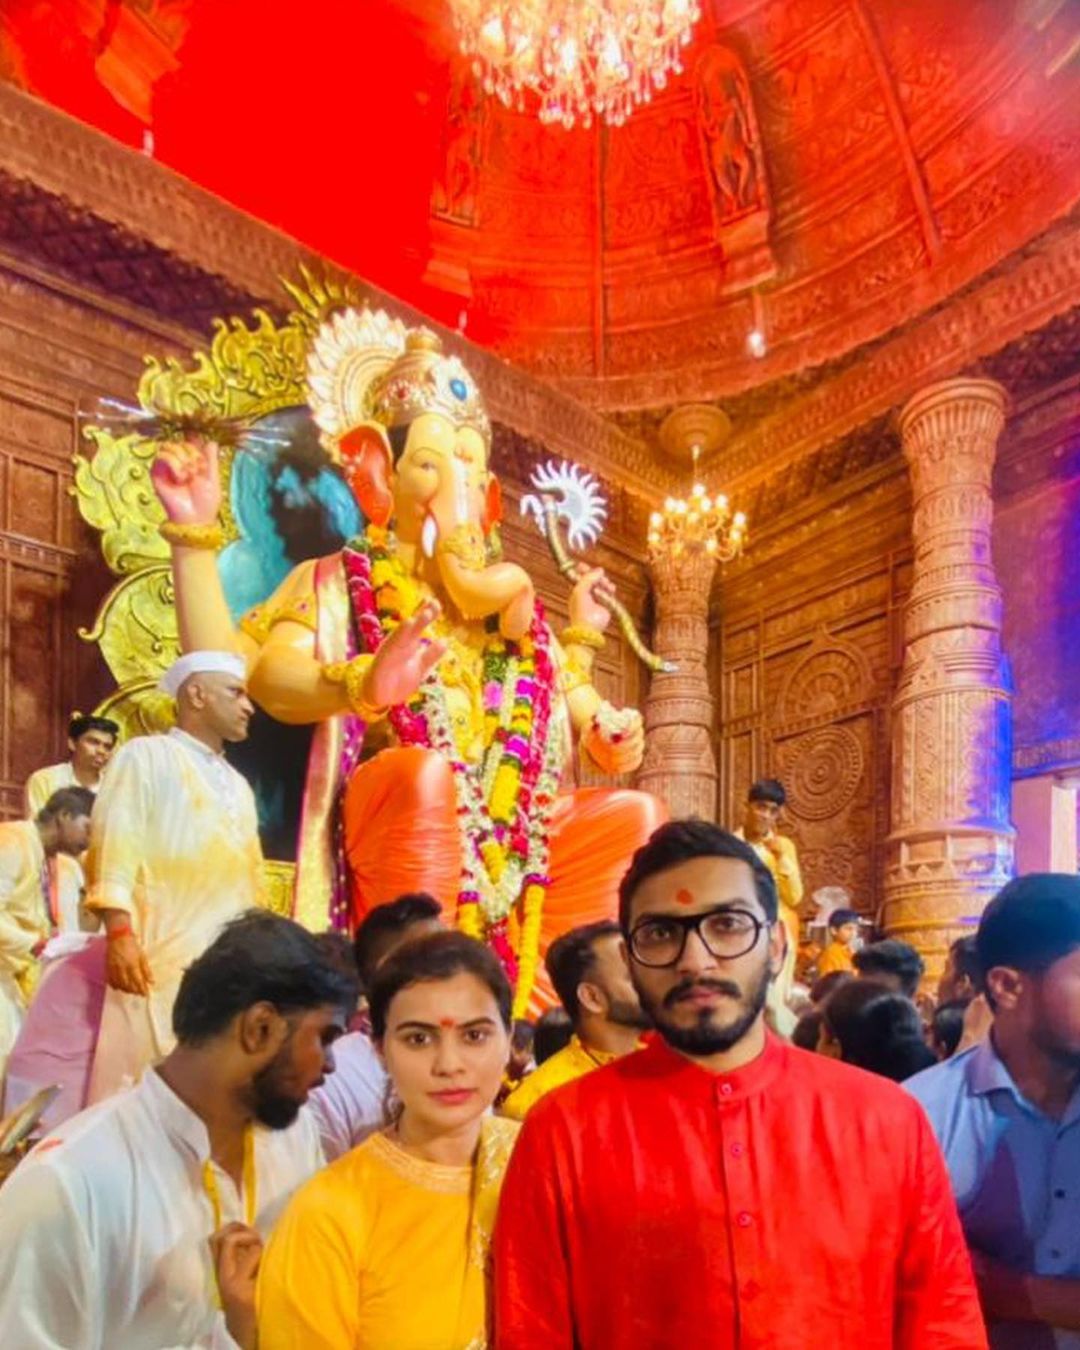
{"x":445,"y":708}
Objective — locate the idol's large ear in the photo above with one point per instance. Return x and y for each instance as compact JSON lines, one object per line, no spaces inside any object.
{"x":366,"y":463}
{"x":493,"y":505}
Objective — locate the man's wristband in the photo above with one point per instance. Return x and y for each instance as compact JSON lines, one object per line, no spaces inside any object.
{"x":115,"y":934}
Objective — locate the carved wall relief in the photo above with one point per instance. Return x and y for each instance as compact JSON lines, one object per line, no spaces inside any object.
{"x":455,"y":190}
{"x":734,"y":159}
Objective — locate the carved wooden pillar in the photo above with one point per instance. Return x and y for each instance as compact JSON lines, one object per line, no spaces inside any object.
{"x":680,"y":763}
{"x":951,"y":845}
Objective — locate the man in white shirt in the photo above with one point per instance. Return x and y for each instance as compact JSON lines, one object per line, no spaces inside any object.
{"x":174,"y":854}
{"x":91,"y":741}
{"x":140,"y":1222}
{"x":352,"y":1104}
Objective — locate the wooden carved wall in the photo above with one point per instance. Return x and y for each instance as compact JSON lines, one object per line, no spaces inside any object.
{"x":806,"y":651}
{"x":59,"y":351}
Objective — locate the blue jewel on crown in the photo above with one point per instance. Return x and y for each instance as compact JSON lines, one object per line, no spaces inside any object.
{"x":458,"y":388}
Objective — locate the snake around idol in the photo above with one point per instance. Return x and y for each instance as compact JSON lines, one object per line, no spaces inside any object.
{"x":446,"y":709}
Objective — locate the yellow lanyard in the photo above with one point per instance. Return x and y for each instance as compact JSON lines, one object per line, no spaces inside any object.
{"x":211,"y":1186}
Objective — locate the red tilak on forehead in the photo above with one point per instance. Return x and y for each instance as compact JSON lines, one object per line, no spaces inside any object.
{"x":684,"y":897}
{"x":447,"y":1022}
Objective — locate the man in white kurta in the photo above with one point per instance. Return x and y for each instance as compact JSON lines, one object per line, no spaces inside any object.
{"x":105,"y":1228}
{"x":30,"y":883}
{"x":91,"y":741}
{"x":116,"y":1199}
{"x":174,"y":854}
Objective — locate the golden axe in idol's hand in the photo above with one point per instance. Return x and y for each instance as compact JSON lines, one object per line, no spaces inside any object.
{"x":422,"y":639}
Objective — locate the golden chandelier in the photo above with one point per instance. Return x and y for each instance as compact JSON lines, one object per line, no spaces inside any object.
{"x":584,"y":59}
{"x":700,"y":524}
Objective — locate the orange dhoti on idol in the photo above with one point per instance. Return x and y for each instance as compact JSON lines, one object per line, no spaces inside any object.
{"x":402,"y":833}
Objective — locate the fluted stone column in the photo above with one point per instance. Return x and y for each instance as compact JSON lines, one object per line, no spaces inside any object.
{"x":680,"y":763}
{"x":951,"y":845}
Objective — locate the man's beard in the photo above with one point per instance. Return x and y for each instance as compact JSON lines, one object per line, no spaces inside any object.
{"x":704,"y":1038}
{"x":624,"y":1012}
{"x":1065,"y":1057}
{"x":270,"y":1105}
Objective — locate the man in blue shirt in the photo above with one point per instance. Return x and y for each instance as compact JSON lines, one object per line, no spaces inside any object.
{"x":1007,"y":1116}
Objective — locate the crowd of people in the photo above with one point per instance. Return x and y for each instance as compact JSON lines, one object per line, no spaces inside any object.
{"x":723,"y":1136}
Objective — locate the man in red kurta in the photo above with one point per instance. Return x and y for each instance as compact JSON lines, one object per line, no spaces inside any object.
{"x":721,"y":1188}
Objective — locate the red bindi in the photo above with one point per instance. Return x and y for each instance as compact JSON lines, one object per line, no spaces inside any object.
{"x":683,"y":896}
{"x":446,"y":1022}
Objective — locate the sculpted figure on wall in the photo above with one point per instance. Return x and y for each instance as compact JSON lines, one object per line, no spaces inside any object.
{"x":729,"y":131}
{"x":733,"y":158}
{"x":455,"y":190}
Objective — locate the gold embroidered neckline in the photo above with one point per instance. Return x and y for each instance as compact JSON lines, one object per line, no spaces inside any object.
{"x":428,"y":1176}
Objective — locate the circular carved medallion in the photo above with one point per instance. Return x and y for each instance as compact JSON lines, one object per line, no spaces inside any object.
{"x":822,"y":771}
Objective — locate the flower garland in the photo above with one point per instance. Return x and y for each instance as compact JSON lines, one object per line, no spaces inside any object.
{"x":505,"y":800}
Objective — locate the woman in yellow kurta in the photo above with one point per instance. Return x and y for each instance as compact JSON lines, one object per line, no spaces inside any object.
{"x":387,"y":1248}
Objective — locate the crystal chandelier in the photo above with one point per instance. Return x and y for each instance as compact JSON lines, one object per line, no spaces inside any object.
{"x":702,"y":524}
{"x":584,"y":59}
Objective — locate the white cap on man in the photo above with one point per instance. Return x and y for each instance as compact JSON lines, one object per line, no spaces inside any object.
{"x":201,"y":663}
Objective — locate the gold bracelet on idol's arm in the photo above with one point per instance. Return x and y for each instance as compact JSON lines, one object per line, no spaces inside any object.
{"x":192,"y":536}
{"x":351,"y":675}
{"x":581,"y":635}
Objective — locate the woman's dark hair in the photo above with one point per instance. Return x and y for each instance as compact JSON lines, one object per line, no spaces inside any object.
{"x":948,"y":1026}
{"x":827,"y":985}
{"x":807,"y":1029}
{"x":521,"y":1038}
{"x":257,"y":958}
{"x":431,"y":958}
{"x":878,"y":1030}
{"x":964,"y":956}
{"x":680,"y":841}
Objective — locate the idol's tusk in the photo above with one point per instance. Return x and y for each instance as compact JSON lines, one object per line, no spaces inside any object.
{"x":569,"y":569}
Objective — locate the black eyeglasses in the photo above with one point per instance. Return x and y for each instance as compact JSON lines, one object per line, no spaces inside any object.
{"x":727,"y":934}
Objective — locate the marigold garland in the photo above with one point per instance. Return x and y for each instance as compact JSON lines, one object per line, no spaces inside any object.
{"x":505,"y":800}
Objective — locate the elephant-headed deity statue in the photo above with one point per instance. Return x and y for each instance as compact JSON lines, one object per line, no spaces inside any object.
{"x":445,"y":709}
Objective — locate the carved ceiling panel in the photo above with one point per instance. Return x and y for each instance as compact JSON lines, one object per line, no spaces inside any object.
{"x":824,"y":170}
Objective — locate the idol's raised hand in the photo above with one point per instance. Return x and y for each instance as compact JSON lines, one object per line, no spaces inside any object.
{"x":187,"y":478}
{"x":587,"y":600}
{"x":404,"y":660}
